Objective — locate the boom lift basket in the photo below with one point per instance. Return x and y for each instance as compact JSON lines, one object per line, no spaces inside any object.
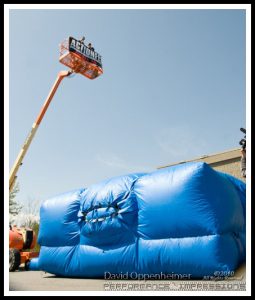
{"x":81,"y":59}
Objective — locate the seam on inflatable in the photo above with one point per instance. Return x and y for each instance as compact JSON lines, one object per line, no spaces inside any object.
{"x":137,"y":253}
{"x":73,"y":250}
{"x":231,"y":179}
{"x":204,"y":167}
{"x":238,"y":243}
{"x":196,"y":236}
{"x":137,"y":214}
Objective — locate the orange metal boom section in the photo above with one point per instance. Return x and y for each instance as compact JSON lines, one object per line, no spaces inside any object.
{"x":28,"y":141}
{"x":17,"y":238}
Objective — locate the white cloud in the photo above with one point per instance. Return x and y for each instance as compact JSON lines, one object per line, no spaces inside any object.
{"x":113,"y":161}
{"x":180,"y":143}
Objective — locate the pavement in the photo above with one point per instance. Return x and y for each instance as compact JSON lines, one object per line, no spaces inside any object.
{"x":22,"y":280}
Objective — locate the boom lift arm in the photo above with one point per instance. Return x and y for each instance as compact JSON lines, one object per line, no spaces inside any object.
{"x":22,"y":153}
{"x":80,"y":59}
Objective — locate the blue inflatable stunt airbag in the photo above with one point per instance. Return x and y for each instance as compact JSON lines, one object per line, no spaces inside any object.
{"x":187,"y":219}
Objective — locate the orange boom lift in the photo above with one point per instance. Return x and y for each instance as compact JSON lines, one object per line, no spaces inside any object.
{"x":80,"y":59}
{"x":21,"y":240}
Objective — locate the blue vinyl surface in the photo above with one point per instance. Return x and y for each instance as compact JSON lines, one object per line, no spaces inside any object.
{"x":184,"y":219}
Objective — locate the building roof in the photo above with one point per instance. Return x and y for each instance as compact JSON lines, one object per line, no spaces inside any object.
{"x":212,"y":158}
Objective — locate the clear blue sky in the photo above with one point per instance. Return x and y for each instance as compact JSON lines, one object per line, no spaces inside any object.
{"x":173,"y":89}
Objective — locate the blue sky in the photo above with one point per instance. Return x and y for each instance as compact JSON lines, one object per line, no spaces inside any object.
{"x":173,"y":89}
